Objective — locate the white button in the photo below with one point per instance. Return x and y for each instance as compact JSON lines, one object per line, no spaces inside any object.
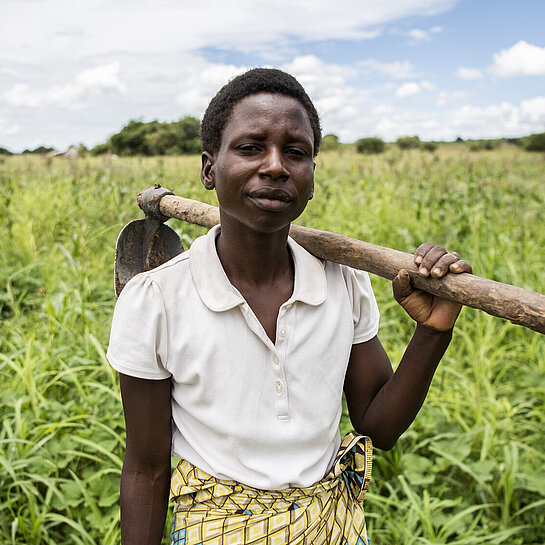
{"x":276,"y":360}
{"x":279,"y":387}
{"x":283,"y":333}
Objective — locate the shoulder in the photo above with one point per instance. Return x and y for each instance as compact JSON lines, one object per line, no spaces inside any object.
{"x":161,"y":276}
{"x":352,"y":278}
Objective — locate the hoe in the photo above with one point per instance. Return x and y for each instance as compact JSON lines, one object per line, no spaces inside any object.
{"x":147,"y":243}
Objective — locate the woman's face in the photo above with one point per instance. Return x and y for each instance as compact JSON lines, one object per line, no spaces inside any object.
{"x":263,"y":172}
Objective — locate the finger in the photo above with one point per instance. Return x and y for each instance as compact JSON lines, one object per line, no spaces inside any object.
{"x":421,"y":251}
{"x":401,"y":285}
{"x":430,"y":259}
{"x":461,"y":266}
{"x":442,"y":266}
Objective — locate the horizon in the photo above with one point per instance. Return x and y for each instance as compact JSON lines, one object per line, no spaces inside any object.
{"x":438,"y":69}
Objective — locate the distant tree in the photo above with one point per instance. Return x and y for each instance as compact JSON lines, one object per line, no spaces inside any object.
{"x":483,"y":145}
{"x":155,"y":138}
{"x":459,"y":139}
{"x":535,"y":142}
{"x":83,"y":150}
{"x":408,"y":142}
{"x":131,"y":139}
{"x":187,"y":131}
{"x":370,"y":145}
{"x":4,"y":151}
{"x":39,"y":150}
{"x":330,"y":142}
{"x":101,"y":149}
{"x":429,"y":146}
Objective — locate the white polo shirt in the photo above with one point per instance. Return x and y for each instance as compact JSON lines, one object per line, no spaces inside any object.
{"x":244,"y":408}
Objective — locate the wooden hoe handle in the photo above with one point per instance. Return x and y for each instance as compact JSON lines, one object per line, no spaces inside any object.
{"x":520,"y":306}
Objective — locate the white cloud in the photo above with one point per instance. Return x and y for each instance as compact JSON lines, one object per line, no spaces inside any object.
{"x":408,"y":89}
{"x":499,"y":120}
{"x":412,"y":88}
{"x":97,"y":80}
{"x":419,"y":35}
{"x":382,"y":109}
{"x":102,"y":77}
{"x":522,"y":59}
{"x":533,"y":112}
{"x":328,"y":85}
{"x":316,"y":75}
{"x":203,"y":84}
{"x":171,"y":25}
{"x":466,"y":73}
{"x":396,"y":69}
{"x":8,"y":129}
{"x":445,"y":97}
{"x":427,"y":85}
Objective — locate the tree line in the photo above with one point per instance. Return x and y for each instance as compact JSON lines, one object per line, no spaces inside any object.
{"x":182,"y":137}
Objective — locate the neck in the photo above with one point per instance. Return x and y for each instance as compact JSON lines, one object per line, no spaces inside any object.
{"x":254,"y":258}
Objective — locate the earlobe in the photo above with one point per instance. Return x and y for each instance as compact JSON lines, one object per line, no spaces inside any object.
{"x":312,"y":188}
{"x":207,"y":170}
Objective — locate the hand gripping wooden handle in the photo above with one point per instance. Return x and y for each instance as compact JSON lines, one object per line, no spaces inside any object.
{"x":520,"y":306}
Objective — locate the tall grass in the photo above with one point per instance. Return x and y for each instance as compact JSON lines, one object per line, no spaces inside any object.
{"x":469,"y":470}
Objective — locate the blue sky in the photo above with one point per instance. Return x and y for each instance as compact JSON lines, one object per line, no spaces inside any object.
{"x":73,"y":71}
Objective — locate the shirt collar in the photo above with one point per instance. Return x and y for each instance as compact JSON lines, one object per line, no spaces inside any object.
{"x":218,"y":294}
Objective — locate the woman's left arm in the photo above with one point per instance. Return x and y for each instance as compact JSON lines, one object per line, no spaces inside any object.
{"x":382,"y":404}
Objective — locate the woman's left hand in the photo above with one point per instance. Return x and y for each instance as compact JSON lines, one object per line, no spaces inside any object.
{"x":423,"y":307}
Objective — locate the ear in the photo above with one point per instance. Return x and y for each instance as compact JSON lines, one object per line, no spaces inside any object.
{"x":208,"y":170}
{"x":312,"y":188}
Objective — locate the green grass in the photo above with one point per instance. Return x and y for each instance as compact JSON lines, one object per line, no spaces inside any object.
{"x":469,"y":470}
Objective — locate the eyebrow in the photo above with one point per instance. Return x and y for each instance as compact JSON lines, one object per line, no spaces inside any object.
{"x":257,"y":134}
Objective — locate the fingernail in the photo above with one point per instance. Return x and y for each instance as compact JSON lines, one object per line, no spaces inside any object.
{"x":423,"y":271}
{"x":418,"y":259}
{"x":436,"y":271}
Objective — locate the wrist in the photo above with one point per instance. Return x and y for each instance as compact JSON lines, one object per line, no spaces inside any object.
{"x":427,"y":331}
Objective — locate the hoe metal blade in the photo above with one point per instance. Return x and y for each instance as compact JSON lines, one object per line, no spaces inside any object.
{"x":141,"y":246}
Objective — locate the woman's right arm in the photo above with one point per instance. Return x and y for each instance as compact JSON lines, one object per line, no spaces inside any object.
{"x":145,"y":478}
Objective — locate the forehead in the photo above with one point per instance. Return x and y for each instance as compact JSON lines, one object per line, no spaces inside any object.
{"x":269,"y":112}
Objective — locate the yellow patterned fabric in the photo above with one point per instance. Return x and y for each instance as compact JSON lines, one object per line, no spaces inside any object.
{"x":210,"y":511}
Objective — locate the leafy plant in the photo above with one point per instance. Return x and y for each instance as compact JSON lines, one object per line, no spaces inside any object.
{"x":468,"y":471}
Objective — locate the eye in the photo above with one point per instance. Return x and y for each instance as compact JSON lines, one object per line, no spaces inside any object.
{"x":296,"y":152}
{"x":249,"y":148}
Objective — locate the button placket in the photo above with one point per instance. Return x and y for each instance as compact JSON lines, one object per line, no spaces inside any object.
{"x":281,"y":384}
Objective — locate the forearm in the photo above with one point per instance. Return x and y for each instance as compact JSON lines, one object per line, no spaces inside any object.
{"x":397,"y":403}
{"x":144,"y":501}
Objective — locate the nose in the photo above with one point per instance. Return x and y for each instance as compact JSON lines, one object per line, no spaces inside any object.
{"x":274,"y":164}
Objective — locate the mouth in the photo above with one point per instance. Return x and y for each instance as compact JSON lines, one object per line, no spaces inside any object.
{"x":270,"y":199}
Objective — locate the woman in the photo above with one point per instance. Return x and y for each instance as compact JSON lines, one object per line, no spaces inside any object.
{"x":247,"y":341}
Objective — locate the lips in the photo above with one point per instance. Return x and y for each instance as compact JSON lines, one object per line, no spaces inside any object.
{"x":270,"y":198}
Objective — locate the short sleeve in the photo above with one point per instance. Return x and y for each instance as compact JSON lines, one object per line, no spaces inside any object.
{"x":138,"y":338}
{"x":365,"y":313}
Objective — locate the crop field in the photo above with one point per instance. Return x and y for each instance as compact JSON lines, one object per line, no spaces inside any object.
{"x":470,"y":468}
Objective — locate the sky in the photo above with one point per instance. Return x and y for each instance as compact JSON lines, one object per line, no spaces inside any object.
{"x":75,"y":71}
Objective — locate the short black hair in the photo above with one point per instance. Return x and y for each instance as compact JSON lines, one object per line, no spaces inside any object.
{"x":252,"y":82}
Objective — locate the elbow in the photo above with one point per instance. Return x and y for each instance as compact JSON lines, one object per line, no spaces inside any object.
{"x":147,"y":463}
{"x":385,"y":444}
{"x":380,"y":440}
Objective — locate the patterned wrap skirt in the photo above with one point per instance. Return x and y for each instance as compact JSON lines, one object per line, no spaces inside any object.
{"x":210,"y":511}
